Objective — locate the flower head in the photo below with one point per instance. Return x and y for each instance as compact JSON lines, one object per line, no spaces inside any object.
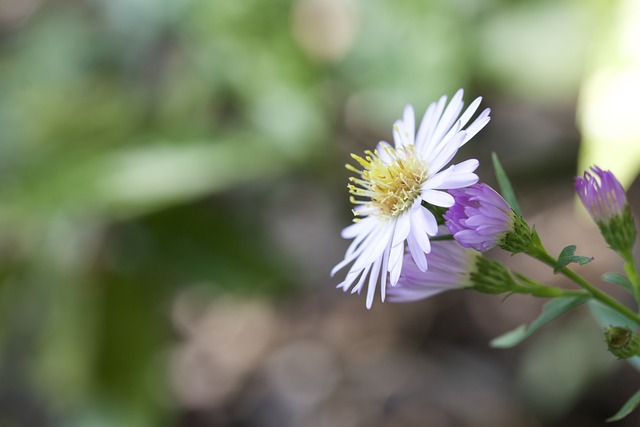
{"x":602,"y":194}
{"x":604,"y":198}
{"x":451,"y":267}
{"x":481,"y":219}
{"x":393,"y":182}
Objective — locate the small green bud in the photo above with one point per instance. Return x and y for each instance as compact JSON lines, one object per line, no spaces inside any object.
{"x":622,"y":342}
{"x":491,"y":277}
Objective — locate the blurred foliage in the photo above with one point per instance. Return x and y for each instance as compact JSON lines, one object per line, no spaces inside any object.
{"x":607,"y":110}
{"x":140,"y":141}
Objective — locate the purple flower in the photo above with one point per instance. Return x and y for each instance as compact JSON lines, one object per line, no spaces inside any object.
{"x":604,"y":197}
{"x":602,"y":194}
{"x":450,"y":267}
{"x":480,"y":218}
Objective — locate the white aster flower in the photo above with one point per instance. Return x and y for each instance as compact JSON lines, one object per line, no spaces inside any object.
{"x":394,"y":183}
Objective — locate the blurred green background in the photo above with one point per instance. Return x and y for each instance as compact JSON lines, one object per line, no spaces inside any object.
{"x":172,"y":190}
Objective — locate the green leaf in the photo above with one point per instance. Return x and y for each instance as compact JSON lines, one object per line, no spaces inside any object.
{"x":627,"y":408}
{"x":506,"y":190}
{"x":550,"y":311}
{"x":618,"y":279}
{"x":567,"y":256}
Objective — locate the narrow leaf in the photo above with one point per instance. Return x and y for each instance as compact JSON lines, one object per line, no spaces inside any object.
{"x":511,"y":338}
{"x":627,"y":408}
{"x":506,"y":190}
{"x":567,"y":257}
{"x":618,"y":279}
{"x":550,"y":311}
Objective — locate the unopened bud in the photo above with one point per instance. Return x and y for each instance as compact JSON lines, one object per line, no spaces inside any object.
{"x":606,"y":201}
{"x":622,"y":342}
{"x":491,"y":277}
{"x":481,"y":219}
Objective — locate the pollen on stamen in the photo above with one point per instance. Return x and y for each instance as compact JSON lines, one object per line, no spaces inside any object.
{"x":390,"y":186}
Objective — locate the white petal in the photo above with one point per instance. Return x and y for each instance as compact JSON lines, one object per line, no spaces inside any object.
{"x":373,"y":279}
{"x":419,"y":233}
{"x":403,"y":225}
{"x":381,"y":150}
{"x":441,"y":142}
{"x":395,"y":261}
{"x":357,"y":247}
{"x":376,"y":247}
{"x":416,"y":251}
{"x":401,"y":135}
{"x":469,"y":112}
{"x":437,"y":180}
{"x":425,"y":221}
{"x":467,"y":166}
{"x":349,"y":279}
{"x":383,"y":279}
{"x":438,"y":198}
{"x":425,"y":125}
{"x":459,"y":180}
{"x":363,"y":226}
{"x":358,"y":287}
{"x":449,"y":116}
{"x":429,"y":124}
{"x":480,"y":122}
{"x":447,"y":152}
{"x":409,"y":119}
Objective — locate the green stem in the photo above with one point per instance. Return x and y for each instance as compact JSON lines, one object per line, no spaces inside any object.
{"x":551,"y":292}
{"x":537,"y":289}
{"x":631,"y":269}
{"x":541,"y":255}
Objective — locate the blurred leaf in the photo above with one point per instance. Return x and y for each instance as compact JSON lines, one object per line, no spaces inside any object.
{"x":567,"y":257}
{"x":509,"y":42}
{"x":618,"y":279}
{"x":607,"y":116}
{"x":560,"y":366}
{"x":505,"y":185}
{"x":209,"y":243}
{"x":137,"y":180}
{"x":627,"y":408}
{"x":550,"y":311}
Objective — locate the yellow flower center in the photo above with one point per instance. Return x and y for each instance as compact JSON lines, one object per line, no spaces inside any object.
{"x":391,"y":186}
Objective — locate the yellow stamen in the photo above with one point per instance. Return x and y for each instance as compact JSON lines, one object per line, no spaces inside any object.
{"x":391,"y":186}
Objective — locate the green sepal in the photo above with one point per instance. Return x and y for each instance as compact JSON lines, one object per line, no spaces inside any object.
{"x":550,"y":311}
{"x":567,"y":256}
{"x":619,"y":231}
{"x":506,"y":190}
{"x":627,"y":408}
{"x":519,"y":238}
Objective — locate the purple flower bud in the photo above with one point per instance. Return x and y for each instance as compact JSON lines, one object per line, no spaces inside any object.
{"x":601,"y":193}
{"x":481,"y":219}
{"x":605,"y":199}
